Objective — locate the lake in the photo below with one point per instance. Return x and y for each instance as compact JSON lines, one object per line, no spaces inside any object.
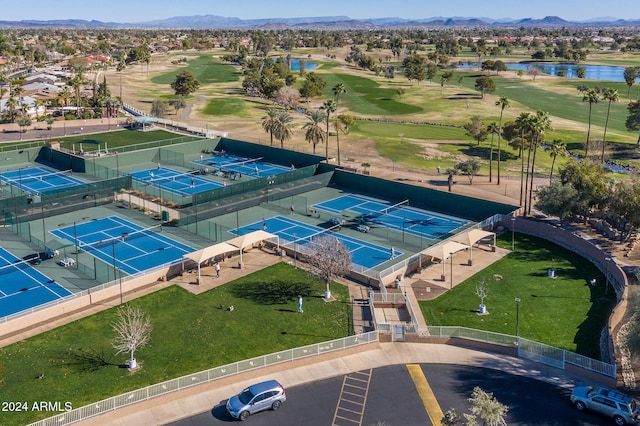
{"x":592,"y":72}
{"x":295,"y":65}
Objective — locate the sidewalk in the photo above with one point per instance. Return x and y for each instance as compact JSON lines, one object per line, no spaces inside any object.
{"x":198,"y":399}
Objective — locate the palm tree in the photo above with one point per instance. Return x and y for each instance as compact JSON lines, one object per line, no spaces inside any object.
{"x":328,"y":106}
{"x":610,"y":95}
{"x":493,"y":130}
{"x":503,"y":103}
{"x":270,"y":122}
{"x":64,"y":96}
{"x":338,"y":90}
{"x":314,"y":133}
{"x":592,"y":97}
{"x":555,"y":148}
{"x":283,"y":129}
{"x":541,"y":124}
{"x":523,"y":122}
{"x":77,"y":82}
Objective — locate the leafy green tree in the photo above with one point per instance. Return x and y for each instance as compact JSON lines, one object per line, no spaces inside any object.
{"x":432,"y":70}
{"x":138,"y":54}
{"x":626,"y":204}
{"x":414,"y":67}
{"x":312,"y":86}
{"x":592,"y":97}
{"x":484,"y":84}
{"x":401,"y":91}
{"x":185,"y":83}
{"x":471,"y":167}
{"x":346,"y":122}
{"x":610,"y":95}
{"x":630,"y":75}
{"x":503,"y":103}
{"x":590,"y":180}
{"x":581,"y":72}
{"x":475,"y":128}
{"x":314,"y":133}
{"x":159,"y":108}
{"x":270,"y":122}
{"x":24,"y":122}
{"x":178,"y":103}
{"x":632,"y":122}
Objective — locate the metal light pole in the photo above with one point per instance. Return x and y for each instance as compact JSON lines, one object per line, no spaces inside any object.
{"x":517,"y":300}
{"x":117,"y":165}
{"x":75,"y":241}
{"x":606,"y":285}
{"x":513,"y":233}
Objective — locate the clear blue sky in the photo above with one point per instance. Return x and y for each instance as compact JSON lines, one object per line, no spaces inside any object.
{"x":146,"y":10}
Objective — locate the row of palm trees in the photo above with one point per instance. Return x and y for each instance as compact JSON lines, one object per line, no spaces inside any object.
{"x":593,"y":96}
{"x":277,"y":123}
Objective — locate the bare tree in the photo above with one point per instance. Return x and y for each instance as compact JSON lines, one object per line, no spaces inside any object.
{"x":133,"y":330}
{"x":482,"y":291}
{"x":328,"y":259}
{"x":287,"y":97}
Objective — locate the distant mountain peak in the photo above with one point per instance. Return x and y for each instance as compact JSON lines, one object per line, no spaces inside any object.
{"x":333,"y":22}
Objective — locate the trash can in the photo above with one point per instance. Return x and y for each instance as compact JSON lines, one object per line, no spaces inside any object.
{"x":165,"y":216}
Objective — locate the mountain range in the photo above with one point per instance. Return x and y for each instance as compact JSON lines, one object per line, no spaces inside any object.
{"x":324,"y":22}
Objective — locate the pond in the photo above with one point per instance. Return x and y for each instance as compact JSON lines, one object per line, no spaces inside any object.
{"x":295,"y":64}
{"x":592,"y":72}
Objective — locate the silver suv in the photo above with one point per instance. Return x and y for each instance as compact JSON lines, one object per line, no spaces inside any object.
{"x":622,"y":408}
{"x":256,"y":398}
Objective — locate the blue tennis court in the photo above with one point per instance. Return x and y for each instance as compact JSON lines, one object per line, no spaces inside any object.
{"x":232,"y":164}
{"x":399,"y":217}
{"x":180,"y":183}
{"x":126,"y":245}
{"x":23,"y":287}
{"x":363,"y":253}
{"x":39,"y":180}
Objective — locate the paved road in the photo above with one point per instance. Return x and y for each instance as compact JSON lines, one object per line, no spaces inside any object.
{"x":391,"y":396}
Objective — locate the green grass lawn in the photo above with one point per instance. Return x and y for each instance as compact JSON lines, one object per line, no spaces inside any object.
{"x":205,"y":68}
{"x":227,"y":105}
{"x":366,"y":96}
{"x":561,"y":99}
{"x":564,"y":312}
{"x":190,"y":333}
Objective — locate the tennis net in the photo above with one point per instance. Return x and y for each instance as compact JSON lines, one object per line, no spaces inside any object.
{"x":172,"y":178}
{"x":227,"y":166}
{"x":124,"y":237}
{"x":16,"y":265}
{"x":39,"y":178}
{"x":372,"y":214}
{"x":305,"y":240}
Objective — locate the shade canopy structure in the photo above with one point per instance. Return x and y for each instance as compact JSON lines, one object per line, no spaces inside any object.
{"x":250,"y":239}
{"x":209,"y":253}
{"x":444,"y":251}
{"x":473,"y":236}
